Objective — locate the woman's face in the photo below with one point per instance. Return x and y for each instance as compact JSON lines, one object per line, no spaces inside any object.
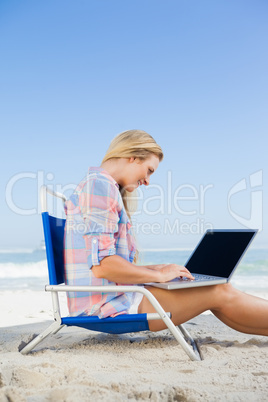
{"x":138,"y":172}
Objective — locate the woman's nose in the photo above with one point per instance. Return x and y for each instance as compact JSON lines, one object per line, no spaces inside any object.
{"x":146,"y":181}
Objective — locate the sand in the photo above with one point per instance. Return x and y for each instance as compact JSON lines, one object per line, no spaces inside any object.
{"x":81,"y":365}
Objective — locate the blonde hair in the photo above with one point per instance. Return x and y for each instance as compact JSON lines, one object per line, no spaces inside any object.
{"x":137,"y":144}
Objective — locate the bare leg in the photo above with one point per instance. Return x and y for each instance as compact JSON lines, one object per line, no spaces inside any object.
{"x":240,"y":311}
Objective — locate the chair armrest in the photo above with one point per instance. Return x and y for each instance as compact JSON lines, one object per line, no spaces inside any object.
{"x":102,"y":289}
{"x":114,"y":288}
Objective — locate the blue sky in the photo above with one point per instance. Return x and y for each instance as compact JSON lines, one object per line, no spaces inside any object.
{"x":73,"y":74}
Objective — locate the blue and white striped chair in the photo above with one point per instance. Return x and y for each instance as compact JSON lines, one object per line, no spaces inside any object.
{"x":125,"y":323}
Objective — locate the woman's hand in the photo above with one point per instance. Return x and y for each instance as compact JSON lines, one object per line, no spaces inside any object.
{"x":172,"y":271}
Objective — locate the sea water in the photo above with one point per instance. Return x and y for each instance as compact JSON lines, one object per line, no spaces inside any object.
{"x":27,"y":269}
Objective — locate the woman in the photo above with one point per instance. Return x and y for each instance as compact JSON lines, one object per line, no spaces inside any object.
{"x":100,"y":248}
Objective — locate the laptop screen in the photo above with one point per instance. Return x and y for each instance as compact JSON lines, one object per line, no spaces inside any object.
{"x":219,"y":251}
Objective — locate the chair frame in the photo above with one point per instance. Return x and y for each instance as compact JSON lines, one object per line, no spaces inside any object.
{"x":180,"y":333}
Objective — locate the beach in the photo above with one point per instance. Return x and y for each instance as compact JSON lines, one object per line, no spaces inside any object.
{"x":76,"y":364}
{"x":149,"y":118}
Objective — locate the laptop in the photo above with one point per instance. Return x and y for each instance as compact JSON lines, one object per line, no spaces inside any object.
{"x":214,"y":259}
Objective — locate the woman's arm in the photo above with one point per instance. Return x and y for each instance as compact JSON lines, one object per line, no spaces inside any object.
{"x":156,"y":267}
{"x":116,"y":269}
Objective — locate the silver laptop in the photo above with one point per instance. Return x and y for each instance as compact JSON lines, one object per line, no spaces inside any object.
{"x":214,"y":259}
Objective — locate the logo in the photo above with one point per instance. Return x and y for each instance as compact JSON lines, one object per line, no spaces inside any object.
{"x":251,"y":188}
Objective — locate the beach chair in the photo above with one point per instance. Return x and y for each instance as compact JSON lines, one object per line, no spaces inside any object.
{"x":125,"y":323}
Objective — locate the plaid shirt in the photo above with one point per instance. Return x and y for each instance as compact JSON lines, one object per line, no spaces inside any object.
{"x":97,"y":226}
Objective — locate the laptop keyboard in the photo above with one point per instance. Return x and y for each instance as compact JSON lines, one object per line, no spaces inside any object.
{"x":198,"y":278}
{"x":203,"y":277}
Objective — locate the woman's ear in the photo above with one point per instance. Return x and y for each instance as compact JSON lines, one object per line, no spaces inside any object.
{"x":132,"y":159}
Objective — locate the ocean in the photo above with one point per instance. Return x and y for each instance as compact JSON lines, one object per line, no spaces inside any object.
{"x":27,"y":269}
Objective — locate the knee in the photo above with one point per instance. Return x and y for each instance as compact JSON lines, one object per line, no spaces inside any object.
{"x":224,"y":294}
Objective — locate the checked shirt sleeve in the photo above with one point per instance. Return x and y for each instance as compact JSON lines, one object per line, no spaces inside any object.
{"x":100,"y":203}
